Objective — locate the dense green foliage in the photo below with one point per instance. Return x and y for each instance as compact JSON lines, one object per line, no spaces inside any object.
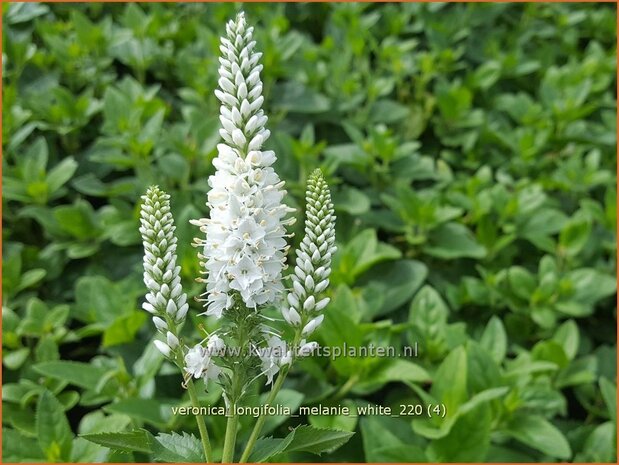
{"x":471,"y":149}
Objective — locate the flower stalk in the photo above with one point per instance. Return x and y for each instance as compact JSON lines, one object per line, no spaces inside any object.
{"x":165,"y":299}
{"x":310,"y":278}
{"x":242,"y":253}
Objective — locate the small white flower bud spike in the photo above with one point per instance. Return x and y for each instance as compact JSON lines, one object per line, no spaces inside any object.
{"x":165,"y":297}
{"x":244,"y":248}
{"x":313,"y":263}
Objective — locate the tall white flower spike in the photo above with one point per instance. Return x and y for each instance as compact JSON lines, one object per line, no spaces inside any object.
{"x":313,"y":263}
{"x":165,"y":299}
{"x":244,"y":249}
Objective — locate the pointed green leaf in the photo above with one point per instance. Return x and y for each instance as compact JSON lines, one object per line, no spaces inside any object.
{"x":127,"y":441}
{"x":53,"y":431}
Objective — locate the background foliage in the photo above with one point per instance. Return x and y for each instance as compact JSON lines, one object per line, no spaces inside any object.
{"x":472,"y":153}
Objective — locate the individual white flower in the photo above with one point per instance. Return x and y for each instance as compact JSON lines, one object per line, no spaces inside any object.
{"x":215,"y":345}
{"x":313,"y":262}
{"x":244,"y":249}
{"x":198,"y":363}
{"x":274,"y":356}
{"x":165,"y":299}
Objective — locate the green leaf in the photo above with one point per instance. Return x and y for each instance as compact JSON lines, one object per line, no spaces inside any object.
{"x":148,"y":410}
{"x":388,"y":111}
{"x":522,"y":282}
{"x":297,"y":98}
{"x":61,"y":173}
{"x":389,"y":439}
{"x":359,"y":255}
{"x":601,"y":445}
{"x":574,"y":236}
{"x":98,"y":300}
{"x":23,"y":12}
{"x":339,"y":422}
{"x":538,"y":433}
{"x":395,"y":282}
{"x":591,"y":285}
{"x":268,"y":447}
{"x":78,"y":220}
{"x":609,"y":393}
{"x":123,"y":329}
{"x":483,"y":371}
{"x":177,"y":448}
{"x":401,"y":454}
{"x":428,"y":317}
{"x":453,"y":240}
{"x":395,"y":369}
{"x":435,"y":428}
{"x":317,"y":440}
{"x":494,"y":339}
{"x":30,"y":278}
{"x":129,"y":441}
{"x":567,"y":336}
{"x":14,"y":359}
{"x":81,"y":374}
{"x":53,"y":431}
{"x":352,"y":201}
{"x":450,"y":380}
{"x":19,"y":448}
{"x":468,"y":439}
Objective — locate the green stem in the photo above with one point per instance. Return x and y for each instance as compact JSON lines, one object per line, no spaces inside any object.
{"x":206,"y":444}
{"x":230,"y":439}
{"x":346,"y":387}
{"x":255,"y":433}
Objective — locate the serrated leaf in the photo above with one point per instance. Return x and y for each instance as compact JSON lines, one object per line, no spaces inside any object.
{"x":177,"y":448}
{"x":128,"y":441}
{"x":268,"y":447}
{"x":317,"y":440}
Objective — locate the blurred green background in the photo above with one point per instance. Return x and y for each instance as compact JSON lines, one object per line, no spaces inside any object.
{"x":471,"y":152}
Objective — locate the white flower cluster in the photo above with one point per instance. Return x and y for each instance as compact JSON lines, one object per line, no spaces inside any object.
{"x":199,"y":359}
{"x":313,"y":263}
{"x":165,"y":299}
{"x":244,"y":249}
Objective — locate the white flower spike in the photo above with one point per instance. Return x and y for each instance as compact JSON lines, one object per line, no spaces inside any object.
{"x":313,"y":263}
{"x":244,"y":249}
{"x":165,"y":299}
